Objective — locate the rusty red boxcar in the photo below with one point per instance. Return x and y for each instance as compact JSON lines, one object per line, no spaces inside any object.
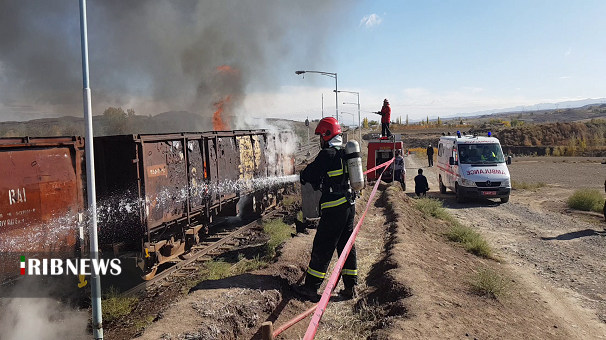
{"x":42,"y":195}
{"x":158,"y":193}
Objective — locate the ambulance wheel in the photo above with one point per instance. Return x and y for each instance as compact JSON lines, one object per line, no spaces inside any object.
{"x":505,"y":199}
{"x":442,"y":186}
{"x":460,"y":198}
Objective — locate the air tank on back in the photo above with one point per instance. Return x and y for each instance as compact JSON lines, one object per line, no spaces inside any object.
{"x":354,"y":165}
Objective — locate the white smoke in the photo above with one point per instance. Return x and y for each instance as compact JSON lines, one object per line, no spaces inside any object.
{"x":40,"y":319}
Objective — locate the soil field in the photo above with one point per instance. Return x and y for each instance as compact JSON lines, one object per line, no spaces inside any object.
{"x":565,"y":172}
{"x":556,"y":252}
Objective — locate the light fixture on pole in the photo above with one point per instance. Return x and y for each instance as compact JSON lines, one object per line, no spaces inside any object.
{"x":359,"y":118}
{"x":328,"y":74}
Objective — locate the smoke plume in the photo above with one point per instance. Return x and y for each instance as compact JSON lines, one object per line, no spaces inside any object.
{"x":156,"y":56}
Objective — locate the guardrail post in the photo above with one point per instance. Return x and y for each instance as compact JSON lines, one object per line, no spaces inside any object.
{"x":267,"y":330}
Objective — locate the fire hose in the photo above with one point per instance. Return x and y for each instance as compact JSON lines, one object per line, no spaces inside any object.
{"x":320,"y":307}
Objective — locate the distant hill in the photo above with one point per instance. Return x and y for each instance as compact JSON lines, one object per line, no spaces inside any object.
{"x":166,"y":122}
{"x":571,"y":104}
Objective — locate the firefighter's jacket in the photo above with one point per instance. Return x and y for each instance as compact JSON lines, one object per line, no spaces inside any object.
{"x":329,"y":172}
{"x":385,"y":114}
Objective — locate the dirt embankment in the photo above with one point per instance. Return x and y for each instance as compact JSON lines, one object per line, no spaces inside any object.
{"x":235,"y":307}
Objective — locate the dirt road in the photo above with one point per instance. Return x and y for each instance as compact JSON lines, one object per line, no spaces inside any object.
{"x":560,"y":257}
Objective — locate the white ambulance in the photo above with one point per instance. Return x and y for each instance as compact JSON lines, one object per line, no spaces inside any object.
{"x":473,"y":167}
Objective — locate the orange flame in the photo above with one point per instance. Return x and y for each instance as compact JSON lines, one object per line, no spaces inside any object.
{"x":228,"y":69}
{"x":218,"y":123}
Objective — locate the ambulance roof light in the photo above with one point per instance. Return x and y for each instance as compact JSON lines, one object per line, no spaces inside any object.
{"x":458,"y":134}
{"x":488,"y":133}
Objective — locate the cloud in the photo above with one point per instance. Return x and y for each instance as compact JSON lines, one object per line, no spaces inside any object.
{"x":371,"y":20}
{"x":569,"y":51}
{"x":565,"y":77}
{"x":473,"y":89}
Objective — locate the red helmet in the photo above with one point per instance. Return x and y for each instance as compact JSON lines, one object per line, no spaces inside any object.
{"x":328,"y":128}
{"x":385,"y":102}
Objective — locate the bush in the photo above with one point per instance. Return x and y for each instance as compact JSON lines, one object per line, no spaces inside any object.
{"x":115,"y":306}
{"x":471,"y":240}
{"x":432,"y":207}
{"x":489,"y":283}
{"x":587,"y":200}
{"x":526,"y":186}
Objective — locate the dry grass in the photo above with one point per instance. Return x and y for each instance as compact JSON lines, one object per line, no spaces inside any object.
{"x":587,"y":200}
{"x":527,"y":186}
{"x":487,"y":282}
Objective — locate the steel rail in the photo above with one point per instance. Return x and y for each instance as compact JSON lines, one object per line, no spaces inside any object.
{"x":197,"y":254}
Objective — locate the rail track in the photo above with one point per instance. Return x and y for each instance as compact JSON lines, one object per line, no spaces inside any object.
{"x":205,"y":251}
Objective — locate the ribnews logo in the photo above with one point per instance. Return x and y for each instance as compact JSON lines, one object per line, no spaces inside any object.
{"x":78,"y":267}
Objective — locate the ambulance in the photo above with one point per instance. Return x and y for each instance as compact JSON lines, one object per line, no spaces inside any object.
{"x":473,"y":167}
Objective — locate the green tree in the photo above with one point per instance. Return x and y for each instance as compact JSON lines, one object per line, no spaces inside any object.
{"x":365,"y":123}
{"x":439,"y":121}
{"x":406,"y":119}
{"x":427,"y":120}
{"x":117,"y":122}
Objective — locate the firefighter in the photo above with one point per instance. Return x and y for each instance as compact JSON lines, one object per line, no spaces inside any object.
{"x":430,"y":155}
{"x":399,"y":169}
{"x":337,"y":210}
{"x":385,"y":118}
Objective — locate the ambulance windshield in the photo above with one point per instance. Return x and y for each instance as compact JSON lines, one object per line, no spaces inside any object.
{"x":480,"y":153}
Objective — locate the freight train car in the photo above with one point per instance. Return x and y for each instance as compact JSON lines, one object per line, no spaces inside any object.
{"x":156,"y":194}
{"x":42,"y":197}
{"x":159,"y":193}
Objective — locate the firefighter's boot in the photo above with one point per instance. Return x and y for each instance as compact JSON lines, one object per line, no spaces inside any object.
{"x":306,"y":292}
{"x":348,"y":293}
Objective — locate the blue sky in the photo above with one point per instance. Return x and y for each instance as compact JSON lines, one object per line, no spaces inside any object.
{"x":440,"y":58}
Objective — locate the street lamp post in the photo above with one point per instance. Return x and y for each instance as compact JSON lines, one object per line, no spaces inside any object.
{"x":97,"y":318}
{"x":359,"y":118}
{"x":353,"y":117}
{"x":328,"y":74}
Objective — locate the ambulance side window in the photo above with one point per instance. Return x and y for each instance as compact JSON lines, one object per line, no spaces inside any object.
{"x":440,"y":150}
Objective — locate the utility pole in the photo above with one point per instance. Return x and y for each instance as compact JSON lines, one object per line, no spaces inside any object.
{"x":307,"y":124}
{"x":97,"y":321}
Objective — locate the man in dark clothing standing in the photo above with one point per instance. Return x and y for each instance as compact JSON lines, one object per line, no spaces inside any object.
{"x":337,"y":209}
{"x":421,"y":185}
{"x":430,"y":155}
{"x":385,"y":118}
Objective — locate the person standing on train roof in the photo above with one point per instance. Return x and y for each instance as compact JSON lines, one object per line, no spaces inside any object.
{"x":385,"y":118}
{"x":337,"y":210}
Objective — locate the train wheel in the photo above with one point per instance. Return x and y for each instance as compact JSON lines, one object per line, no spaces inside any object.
{"x":150,"y":275}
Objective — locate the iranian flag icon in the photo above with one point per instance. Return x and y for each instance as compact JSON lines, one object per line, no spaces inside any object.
{"x":22,"y":265}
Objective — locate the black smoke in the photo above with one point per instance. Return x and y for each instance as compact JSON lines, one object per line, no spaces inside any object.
{"x":155,"y":56}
